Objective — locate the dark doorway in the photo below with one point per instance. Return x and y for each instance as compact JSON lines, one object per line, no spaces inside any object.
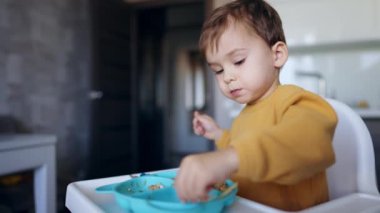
{"x":135,"y":85}
{"x":112,"y":149}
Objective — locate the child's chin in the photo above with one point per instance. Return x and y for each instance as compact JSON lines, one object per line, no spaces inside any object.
{"x":239,"y":101}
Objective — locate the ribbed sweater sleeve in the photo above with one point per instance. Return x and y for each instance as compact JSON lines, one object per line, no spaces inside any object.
{"x":223,"y":140}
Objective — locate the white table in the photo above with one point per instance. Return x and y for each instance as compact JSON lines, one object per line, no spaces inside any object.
{"x":81,"y":197}
{"x":23,"y":152}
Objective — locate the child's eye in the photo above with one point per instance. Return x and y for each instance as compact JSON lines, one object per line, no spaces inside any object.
{"x":217,"y":72}
{"x":239,"y":62}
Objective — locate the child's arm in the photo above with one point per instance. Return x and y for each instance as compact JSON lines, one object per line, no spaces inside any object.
{"x":299,"y":146}
{"x":198,"y":173}
{"x":205,"y":126}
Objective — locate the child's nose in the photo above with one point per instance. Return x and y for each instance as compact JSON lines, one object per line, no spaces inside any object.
{"x":228,"y":76}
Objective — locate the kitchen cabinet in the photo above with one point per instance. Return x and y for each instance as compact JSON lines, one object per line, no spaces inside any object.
{"x":23,"y":152}
{"x":329,"y":21}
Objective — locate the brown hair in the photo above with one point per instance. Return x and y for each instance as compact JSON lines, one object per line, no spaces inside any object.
{"x":256,"y":15}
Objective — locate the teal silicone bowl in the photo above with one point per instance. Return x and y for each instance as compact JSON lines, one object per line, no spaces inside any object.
{"x":155,"y":193}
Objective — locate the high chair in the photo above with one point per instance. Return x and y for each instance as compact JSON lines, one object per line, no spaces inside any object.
{"x":352,"y":179}
{"x":354,"y":170}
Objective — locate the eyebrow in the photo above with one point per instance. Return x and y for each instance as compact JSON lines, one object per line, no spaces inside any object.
{"x":236,"y":50}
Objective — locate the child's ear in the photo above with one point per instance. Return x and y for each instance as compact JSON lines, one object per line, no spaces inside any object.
{"x":280,"y":54}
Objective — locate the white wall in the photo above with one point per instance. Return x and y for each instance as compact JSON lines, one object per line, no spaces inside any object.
{"x":352,"y":75}
{"x":338,"y":39}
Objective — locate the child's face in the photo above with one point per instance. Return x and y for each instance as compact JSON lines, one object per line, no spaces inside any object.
{"x":244,"y":65}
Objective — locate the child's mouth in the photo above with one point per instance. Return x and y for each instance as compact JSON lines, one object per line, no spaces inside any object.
{"x":235,"y":92}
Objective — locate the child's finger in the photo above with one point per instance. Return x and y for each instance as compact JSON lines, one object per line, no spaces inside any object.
{"x":199,"y":130}
{"x":203,"y":119}
{"x":196,"y":113}
{"x":204,"y":196}
{"x":179,"y":186}
{"x":197,"y":127}
{"x":196,"y":120}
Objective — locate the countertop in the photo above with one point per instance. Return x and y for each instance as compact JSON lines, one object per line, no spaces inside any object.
{"x":14,"y":141}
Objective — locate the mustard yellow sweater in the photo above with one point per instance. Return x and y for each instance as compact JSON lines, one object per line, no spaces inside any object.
{"x":284,"y":145}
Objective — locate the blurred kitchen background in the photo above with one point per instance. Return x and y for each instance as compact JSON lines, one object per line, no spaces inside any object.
{"x":117,"y":80}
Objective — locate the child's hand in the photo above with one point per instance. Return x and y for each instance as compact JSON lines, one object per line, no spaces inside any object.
{"x":198,"y":173}
{"x":206,"y":126}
